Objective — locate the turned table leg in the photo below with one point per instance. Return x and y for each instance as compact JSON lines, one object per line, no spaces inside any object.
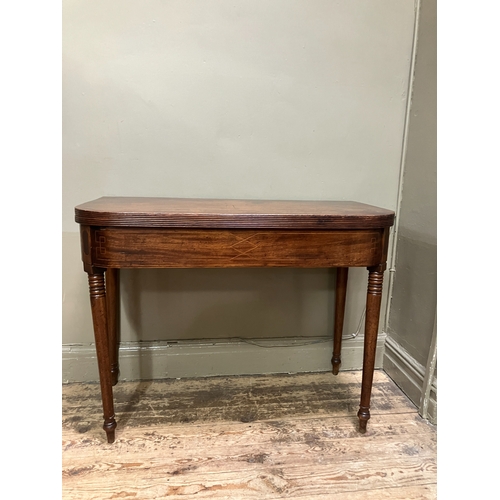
{"x":340,"y":295}
{"x":99,"y":317}
{"x":373,"y":301}
{"x":112,"y":302}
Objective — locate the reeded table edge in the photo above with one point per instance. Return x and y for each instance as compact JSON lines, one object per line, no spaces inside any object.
{"x":249,"y":220}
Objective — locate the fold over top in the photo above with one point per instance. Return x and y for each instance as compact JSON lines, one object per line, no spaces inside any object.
{"x":231,"y":214}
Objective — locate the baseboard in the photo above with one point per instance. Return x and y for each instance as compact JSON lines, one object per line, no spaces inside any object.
{"x":409,"y":375}
{"x":205,"y":358}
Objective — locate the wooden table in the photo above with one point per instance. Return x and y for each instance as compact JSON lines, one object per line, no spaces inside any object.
{"x":118,"y":233}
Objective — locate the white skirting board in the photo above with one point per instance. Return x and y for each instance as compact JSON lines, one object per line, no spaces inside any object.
{"x":409,"y":375}
{"x":206,"y":358}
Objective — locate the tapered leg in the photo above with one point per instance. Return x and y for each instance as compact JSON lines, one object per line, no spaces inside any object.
{"x":112,"y":301}
{"x":373,"y":300}
{"x":99,"y":317}
{"x":340,"y":295}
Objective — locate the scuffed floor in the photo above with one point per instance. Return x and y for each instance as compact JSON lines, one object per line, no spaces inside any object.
{"x":265,"y":437}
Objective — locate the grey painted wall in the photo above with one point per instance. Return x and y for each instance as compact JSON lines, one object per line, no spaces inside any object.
{"x":414,"y":295}
{"x":250,"y":99}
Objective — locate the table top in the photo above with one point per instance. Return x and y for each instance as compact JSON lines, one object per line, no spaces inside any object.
{"x":231,"y":214}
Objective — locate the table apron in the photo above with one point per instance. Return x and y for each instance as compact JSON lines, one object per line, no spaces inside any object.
{"x":114,"y":247}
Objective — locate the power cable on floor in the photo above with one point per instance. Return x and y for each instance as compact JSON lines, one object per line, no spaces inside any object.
{"x":320,"y":341}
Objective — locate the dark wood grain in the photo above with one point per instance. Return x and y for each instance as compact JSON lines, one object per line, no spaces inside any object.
{"x":97,"y":291}
{"x":208,"y":213}
{"x":112,"y":303}
{"x":338,"y":324}
{"x":183,"y":248}
{"x":184,"y":233}
{"x":373,"y":300}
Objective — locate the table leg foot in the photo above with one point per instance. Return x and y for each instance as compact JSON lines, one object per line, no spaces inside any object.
{"x":111,"y":437}
{"x":336,"y":366}
{"x":114,"y":375}
{"x":364,"y":416}
{"x":110,"y":426}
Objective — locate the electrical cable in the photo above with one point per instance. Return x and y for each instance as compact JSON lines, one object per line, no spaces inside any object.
{"x":321,"y":341}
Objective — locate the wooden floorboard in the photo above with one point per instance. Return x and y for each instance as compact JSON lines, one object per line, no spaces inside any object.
{"x":289,"y":436}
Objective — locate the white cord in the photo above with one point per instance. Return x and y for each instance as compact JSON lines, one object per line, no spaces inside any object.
{"x":326,"y":339}
{"x":248,"y":341}
{"x":358,"y":331}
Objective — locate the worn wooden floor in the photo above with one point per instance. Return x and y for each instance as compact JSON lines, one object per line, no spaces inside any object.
{"x":263,"y":437}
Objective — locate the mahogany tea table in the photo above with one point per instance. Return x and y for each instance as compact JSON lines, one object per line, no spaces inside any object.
{"x":124,"y":233}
